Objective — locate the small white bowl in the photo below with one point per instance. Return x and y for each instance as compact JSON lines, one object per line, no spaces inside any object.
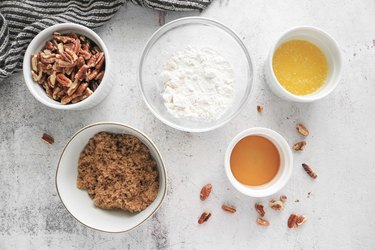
{"x":37,"y":45}
{"x":330,"y":49}
{"x":285,"y":170}
{"x":78,"y":202}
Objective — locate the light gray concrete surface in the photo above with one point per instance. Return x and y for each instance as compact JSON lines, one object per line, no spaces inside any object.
{"x":340,"y":147}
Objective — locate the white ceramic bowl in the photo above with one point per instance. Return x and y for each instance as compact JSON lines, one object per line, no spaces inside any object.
{"x":285,"y":170}
{"x":78,"y":202}
{"x":196,"y":32}
{"x":330,"y":49}
{"x":37,"y":45}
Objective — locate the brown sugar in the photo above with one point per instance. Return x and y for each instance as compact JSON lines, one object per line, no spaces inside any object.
{"x":118,"y":172}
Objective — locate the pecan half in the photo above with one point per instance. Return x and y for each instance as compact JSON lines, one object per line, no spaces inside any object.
{"x":34,"y":62}
{"x":51,"y":80}
{"x":47,"y":58}
{"x":263,"y":222}
{"x":301,"y":220}
{"x":81,"y":73}
{"x":92,"y":75}
{"x":283,"y":198}
{"x":80,"y":61}
{"x":50,"y":46}
{"x":309,"y":171}
{"x":302,"y":129}
{"x":259,"y":108}
{"x":37,"y":77}
{"x":228,"y":208}
{"x":260,"y":209}
{"x":292,"y":221}
{"x":296,"y":220}
{"x":100,"y":60}
{"x":299,"y":146}
{"x":276,"y":205}
{"x":63,"y":80}
{"x":205,"y":191}
{"x":204,"y":217}
{"x":48,"y":139}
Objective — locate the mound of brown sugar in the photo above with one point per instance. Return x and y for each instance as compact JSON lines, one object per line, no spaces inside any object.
{"x":118,"y":172}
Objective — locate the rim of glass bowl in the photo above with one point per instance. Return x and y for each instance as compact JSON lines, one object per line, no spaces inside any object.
{"x":195,"y":20}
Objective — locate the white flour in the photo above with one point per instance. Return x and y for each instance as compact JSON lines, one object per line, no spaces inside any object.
{"x":197,"y":84}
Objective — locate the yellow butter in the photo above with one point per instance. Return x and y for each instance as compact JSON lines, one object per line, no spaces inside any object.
{"x":300,"y":67}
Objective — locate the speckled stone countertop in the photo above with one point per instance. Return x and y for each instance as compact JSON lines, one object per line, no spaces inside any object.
{"x":340,"y":147}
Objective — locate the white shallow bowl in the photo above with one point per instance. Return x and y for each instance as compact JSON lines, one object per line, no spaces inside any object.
{"x":329,"y":47}
{"x":78,"y":202}
{"x":37,"y":45}
{"x":285,"y":170}
{"x":195,"y":32}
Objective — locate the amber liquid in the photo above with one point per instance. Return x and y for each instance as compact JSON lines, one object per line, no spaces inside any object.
{"x":255,"y":161}
{"x":300,"y":67}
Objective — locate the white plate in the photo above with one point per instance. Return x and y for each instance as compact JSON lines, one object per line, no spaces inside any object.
{"x":78,"y":202}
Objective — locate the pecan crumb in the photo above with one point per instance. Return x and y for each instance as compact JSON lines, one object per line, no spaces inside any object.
{"x":263,"y":222}
{"x":260,"y":209}
{"x":48,"y":139}
{"x":228,"y":208}
{"x":309,"y":171}
{"x":299,"y":146}
{"x":205,"y":191}
{"x":204,"y":217}
{"x":259,"y":108}
{"x":276,"y":205}
{"x":302,"y":129}
{"x":283,"y":198}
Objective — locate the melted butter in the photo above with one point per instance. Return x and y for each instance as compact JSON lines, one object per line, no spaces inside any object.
{"x":300,"y":67}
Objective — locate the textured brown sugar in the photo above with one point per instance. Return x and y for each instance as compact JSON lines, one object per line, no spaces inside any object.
{"x":118,"y":172}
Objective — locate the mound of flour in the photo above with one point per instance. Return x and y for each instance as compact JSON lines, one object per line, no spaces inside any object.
{"x":197,"y":84}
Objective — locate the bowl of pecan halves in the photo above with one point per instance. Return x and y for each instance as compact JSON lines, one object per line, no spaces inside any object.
{"x":67,"y":66}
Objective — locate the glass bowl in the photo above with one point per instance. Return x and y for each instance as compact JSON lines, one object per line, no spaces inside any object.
{"x":195,"y":32}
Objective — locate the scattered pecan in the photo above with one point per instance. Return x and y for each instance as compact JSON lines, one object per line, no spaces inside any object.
{"x":296,"y":220}
{"x":301,"y":220}
{"x":299,"y":146}
{"x":228,"y":208}
{"x":292,"y":221}
{"x":309,"y":171}
{"x":205,"y":191}
{"x":263,"y":222}
{"x":302,"y":129}
{"x":204,"y":217}
{"x":283,"y":198}
{"x":260,"y":209}
{"x":70,"y":67}
{"x":276,"y":205}
{"x":48,"y":139}
{"x":259,"y":108}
